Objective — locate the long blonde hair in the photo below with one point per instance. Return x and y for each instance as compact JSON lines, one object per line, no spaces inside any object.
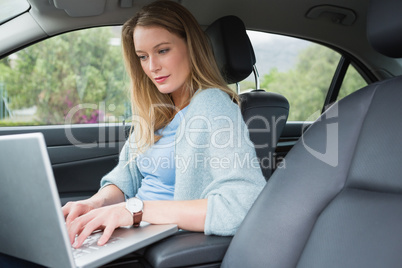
{"x":153,"y":110}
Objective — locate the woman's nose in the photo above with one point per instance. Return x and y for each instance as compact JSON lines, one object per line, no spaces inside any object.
{"x":154,"y":64}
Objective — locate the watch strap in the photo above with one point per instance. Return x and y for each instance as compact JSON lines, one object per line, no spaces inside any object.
{"x":137,"y":219}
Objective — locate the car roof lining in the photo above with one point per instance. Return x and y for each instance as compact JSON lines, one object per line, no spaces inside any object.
{"x":17,"y":36}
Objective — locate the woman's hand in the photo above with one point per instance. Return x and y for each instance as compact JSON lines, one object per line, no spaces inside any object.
{"x":73,"y":210}
{"x":106,"y":218}
{"x":108,"y":195}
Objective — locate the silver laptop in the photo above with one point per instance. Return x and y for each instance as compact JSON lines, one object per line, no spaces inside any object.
{"x":32,"y":225}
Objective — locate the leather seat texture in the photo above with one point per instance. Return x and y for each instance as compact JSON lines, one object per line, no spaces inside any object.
{"x":338,"y":203}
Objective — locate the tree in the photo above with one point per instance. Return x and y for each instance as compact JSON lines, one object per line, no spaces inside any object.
{"x":306,"y":85}
{"x":62,"y":72}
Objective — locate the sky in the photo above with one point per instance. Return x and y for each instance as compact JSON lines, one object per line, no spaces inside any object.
{"x":275,"y":51}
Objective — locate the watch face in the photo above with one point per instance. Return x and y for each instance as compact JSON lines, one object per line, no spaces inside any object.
{"x":135,"y":205}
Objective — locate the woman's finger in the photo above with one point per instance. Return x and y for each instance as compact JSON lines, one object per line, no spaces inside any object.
{"x":66,"y":209}
{"x":91,"y":225}
{"x":78,"y":225}
{"x":107,"y":233}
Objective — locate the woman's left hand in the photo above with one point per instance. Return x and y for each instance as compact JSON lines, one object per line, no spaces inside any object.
{"x":106,"y":218}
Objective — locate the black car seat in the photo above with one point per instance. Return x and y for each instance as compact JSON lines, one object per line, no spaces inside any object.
{"x":343,"y":209}
{"x":265,"y":113}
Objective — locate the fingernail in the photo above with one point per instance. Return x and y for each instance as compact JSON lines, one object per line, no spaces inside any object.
{"x":75,"y":244}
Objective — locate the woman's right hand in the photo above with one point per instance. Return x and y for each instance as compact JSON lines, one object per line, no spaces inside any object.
{"x":73,"y":210}
{"x":108,"y":195}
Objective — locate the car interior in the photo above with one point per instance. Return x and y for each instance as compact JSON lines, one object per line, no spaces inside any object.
{"x":333,"y":196}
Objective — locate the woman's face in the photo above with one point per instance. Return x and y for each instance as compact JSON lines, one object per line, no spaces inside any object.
{"x":164,"y":59}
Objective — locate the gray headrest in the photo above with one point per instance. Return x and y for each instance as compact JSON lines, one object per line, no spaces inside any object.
{"x":232,"y":48}
{"x":384,"y":27}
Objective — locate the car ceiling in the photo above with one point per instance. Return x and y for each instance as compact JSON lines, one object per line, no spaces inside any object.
{"x":289,"y":17}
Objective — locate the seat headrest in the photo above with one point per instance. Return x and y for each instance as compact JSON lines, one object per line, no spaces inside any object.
{"x":384,"y":27}
{"x":232,"y":48}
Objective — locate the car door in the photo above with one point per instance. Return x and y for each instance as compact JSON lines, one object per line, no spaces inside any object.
{"x":73,"y":89}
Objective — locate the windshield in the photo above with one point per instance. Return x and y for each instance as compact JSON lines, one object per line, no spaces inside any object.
{"x":12,"y":8}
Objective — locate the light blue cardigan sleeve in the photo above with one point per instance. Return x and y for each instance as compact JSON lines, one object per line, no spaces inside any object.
{"x":125,"y":175}
{"x":215,"y":159}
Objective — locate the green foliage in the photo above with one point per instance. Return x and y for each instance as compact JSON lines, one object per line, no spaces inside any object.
{"x":306,"y":85}
{"x":351,"y":83}
{"x":7,"y":123}
{"x":60,"y":73}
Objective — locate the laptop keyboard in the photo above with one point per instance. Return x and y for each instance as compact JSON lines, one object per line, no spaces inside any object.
{"x":90,"y":245}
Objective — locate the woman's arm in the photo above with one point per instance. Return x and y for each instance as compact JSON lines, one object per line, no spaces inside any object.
{"x":222,"y":167}
{"x":189,"y":215}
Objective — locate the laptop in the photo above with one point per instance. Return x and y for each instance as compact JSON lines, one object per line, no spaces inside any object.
{"x":32,"y":225}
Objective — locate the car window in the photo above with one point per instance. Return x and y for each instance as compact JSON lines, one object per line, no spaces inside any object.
{"x":79,"y":78}
{"x":74,"y":78}
{"x":300,"y":70}
{"x":352,"y":82}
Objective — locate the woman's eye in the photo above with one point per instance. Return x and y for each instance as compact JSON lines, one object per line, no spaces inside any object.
{"x":163,"y":51}
{"x":142,"y":58}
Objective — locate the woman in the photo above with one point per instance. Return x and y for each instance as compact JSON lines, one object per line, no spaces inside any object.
{"x":189,"y":159}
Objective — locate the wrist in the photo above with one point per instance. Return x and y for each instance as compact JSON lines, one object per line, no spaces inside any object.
{"x":135,"y":207}
{"x":96,"y":202}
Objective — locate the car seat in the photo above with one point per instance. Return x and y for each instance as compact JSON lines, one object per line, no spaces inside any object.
{"x":265,"y":113}
{"x":341,"y":206}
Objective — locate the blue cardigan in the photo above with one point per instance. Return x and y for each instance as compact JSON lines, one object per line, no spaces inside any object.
{"x":214,"y":158}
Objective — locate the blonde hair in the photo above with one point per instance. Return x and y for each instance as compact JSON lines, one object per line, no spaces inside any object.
{"x":153,"y":110}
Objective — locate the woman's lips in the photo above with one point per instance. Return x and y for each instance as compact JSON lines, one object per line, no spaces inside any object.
{"x":161,"y":79}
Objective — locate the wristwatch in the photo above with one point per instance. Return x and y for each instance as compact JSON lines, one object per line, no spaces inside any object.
{"x":135,"y":205}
